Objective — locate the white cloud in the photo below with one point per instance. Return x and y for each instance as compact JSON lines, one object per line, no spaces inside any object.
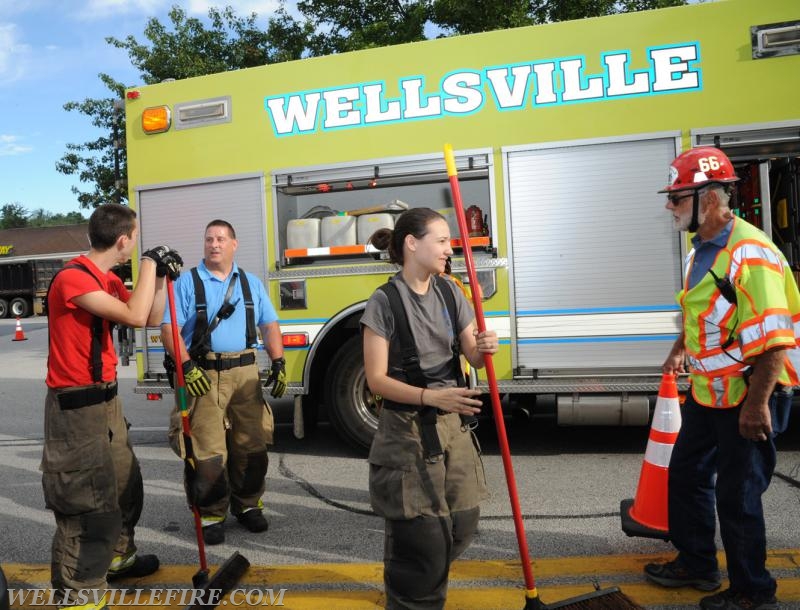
{"x":10,"y":146}
{"x":14,"y":55}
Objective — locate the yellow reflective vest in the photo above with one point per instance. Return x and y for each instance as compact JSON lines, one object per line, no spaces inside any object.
{"x":766,"y":315}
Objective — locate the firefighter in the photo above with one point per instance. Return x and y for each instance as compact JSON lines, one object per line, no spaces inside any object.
{"x":426,"y":476}
{"x":219,"y":306}
{"x":740,"y":303}
{"x":91,"y":478}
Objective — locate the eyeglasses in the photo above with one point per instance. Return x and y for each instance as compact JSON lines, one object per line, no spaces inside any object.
{"x":676,"y":199}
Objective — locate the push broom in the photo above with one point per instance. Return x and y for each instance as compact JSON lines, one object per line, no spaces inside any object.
{"x":229,"y":574}
{"x":611,"y":598}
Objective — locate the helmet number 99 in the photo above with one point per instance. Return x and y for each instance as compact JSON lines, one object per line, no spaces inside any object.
{"x":708,"y":163}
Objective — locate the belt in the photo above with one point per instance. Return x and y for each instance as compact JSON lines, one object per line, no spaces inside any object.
{"x":223,"y":364}
{"x":83,"y":397}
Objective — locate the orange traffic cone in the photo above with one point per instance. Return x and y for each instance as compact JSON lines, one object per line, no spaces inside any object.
{"x":647,"y":514}
{"x":19,"y":335}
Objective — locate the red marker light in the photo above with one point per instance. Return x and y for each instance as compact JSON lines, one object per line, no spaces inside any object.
{"x":295,"y":339}
{"x":133,"y":95}
{"x":154,"y":396}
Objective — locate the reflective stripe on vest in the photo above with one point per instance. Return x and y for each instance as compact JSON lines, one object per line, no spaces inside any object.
{"x":710,"y":320}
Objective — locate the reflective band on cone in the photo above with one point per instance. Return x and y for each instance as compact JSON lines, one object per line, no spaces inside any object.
{"x":18,"y":334}
{"x":647,"y":514}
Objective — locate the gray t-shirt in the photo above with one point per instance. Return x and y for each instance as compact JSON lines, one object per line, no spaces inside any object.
{"x":430,"y":326}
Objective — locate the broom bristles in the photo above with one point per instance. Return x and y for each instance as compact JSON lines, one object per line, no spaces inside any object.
{"x":602,"y":599}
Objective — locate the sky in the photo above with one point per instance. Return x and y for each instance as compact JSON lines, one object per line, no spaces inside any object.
{"x":51,"y":52}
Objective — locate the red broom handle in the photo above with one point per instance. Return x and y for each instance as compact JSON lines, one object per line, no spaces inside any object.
{"x":180,"y":389}
{"x":502,"y":438}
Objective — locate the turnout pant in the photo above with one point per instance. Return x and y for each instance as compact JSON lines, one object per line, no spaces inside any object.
{"x":430,"y":507}
{"x":231,"y":427}
{"x":709,"y":444}
{"x":93,"y":484}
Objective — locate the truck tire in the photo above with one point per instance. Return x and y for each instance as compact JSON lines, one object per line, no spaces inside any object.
{"x":351,"y":408}
{"x":3,"y":308}
{"x":20,"y":308}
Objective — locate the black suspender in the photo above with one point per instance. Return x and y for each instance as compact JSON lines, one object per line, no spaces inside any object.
{"x":201,"y":336}
{"x":96,"y":349}
{"x":410,"y":363}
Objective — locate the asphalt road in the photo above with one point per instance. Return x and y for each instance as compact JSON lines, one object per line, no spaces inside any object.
{"x":324,"y":545}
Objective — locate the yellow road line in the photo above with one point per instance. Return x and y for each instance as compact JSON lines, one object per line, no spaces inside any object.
{"x":372,"y":573}
{"x":496,"y":598}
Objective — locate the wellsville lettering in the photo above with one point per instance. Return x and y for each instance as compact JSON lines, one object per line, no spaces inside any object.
{"x":521,"y":86}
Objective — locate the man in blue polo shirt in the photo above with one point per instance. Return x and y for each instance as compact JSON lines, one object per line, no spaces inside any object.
{"x":218,"y":307}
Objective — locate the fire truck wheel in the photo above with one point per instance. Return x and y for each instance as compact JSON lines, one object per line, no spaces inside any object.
{"x":20,"y":308}
{"x":3,"y":308}
{"x":351,"y":408}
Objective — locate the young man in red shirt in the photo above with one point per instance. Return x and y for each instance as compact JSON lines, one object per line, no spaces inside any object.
{"x":91,"y":478}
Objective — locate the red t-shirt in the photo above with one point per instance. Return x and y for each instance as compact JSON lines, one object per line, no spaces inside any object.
{"x":69,"y":362}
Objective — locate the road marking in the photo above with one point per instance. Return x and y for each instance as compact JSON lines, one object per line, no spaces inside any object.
{"x":483,"y":585}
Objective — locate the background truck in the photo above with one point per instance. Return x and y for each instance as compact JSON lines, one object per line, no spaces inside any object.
{"x":563,"y":135}
{"x":23,"y":286}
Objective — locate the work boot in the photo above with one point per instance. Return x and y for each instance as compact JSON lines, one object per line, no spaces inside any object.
{"x":135,"y":566}
{"x":214,"y":534}
{"x":253,"y":520}
{"x":671,"y":574}
{"x":731,"y":600}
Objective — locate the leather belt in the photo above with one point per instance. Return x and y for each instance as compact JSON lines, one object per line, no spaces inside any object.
{"x":84,"y":397}
{"x":223,"y":364}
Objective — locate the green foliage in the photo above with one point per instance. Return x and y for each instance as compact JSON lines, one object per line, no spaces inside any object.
{"x":94,"y":162}
{"x":349,"y":25}
{"x":15,"y":216}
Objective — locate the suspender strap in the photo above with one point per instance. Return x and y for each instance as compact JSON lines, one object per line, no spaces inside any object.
{"x":201,"y":336}
{"x":431,"y":446}
{"x":96,"y":348}
{"x":250,"y":309}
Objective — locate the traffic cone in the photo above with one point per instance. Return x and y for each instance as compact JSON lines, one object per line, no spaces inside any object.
{"x":647,"y":515}
{"x":19,"y":335}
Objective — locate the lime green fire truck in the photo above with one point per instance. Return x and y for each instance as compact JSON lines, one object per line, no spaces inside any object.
{"x":563,"y":134}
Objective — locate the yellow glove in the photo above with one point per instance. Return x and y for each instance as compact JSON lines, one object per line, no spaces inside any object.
{"x":197,"y":380}
{"x":277,"y":377}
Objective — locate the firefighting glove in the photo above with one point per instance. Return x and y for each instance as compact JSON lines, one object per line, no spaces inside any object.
{"x":168,"y":261}
{"x":198,"y":383}
{"x":277,"y":377}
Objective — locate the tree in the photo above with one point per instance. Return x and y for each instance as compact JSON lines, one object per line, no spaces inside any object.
{"x":349,"y":25}
{"x":44,"y":218}
{"x":13,"y":216}
{"x":94,"y":162}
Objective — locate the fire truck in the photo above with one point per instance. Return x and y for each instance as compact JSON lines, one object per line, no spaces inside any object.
{"x":563,"y":134}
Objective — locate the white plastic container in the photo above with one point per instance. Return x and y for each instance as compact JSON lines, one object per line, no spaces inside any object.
{"x":338,"y":231}
{"x":369,"y":223}
{"x":302,"y":233}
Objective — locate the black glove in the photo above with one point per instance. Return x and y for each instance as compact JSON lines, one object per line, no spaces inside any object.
{"x":168,"y":261}
{"x":277,"y":377}
{"x":197,"y":380}
{"x":170,"y":266}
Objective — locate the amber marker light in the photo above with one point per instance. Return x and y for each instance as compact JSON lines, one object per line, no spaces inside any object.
{"x":156,"y":119}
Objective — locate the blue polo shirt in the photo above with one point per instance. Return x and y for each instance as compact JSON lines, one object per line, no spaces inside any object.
{"x":230,"y":334}
{"x":705,"y":253}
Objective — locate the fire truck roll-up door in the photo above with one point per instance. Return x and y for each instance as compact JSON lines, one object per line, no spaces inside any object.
{"x":596,"y":295}
{"x":176,"y":214}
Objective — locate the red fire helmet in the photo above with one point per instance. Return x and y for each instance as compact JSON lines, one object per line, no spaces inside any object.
{"x":698,"y":167}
